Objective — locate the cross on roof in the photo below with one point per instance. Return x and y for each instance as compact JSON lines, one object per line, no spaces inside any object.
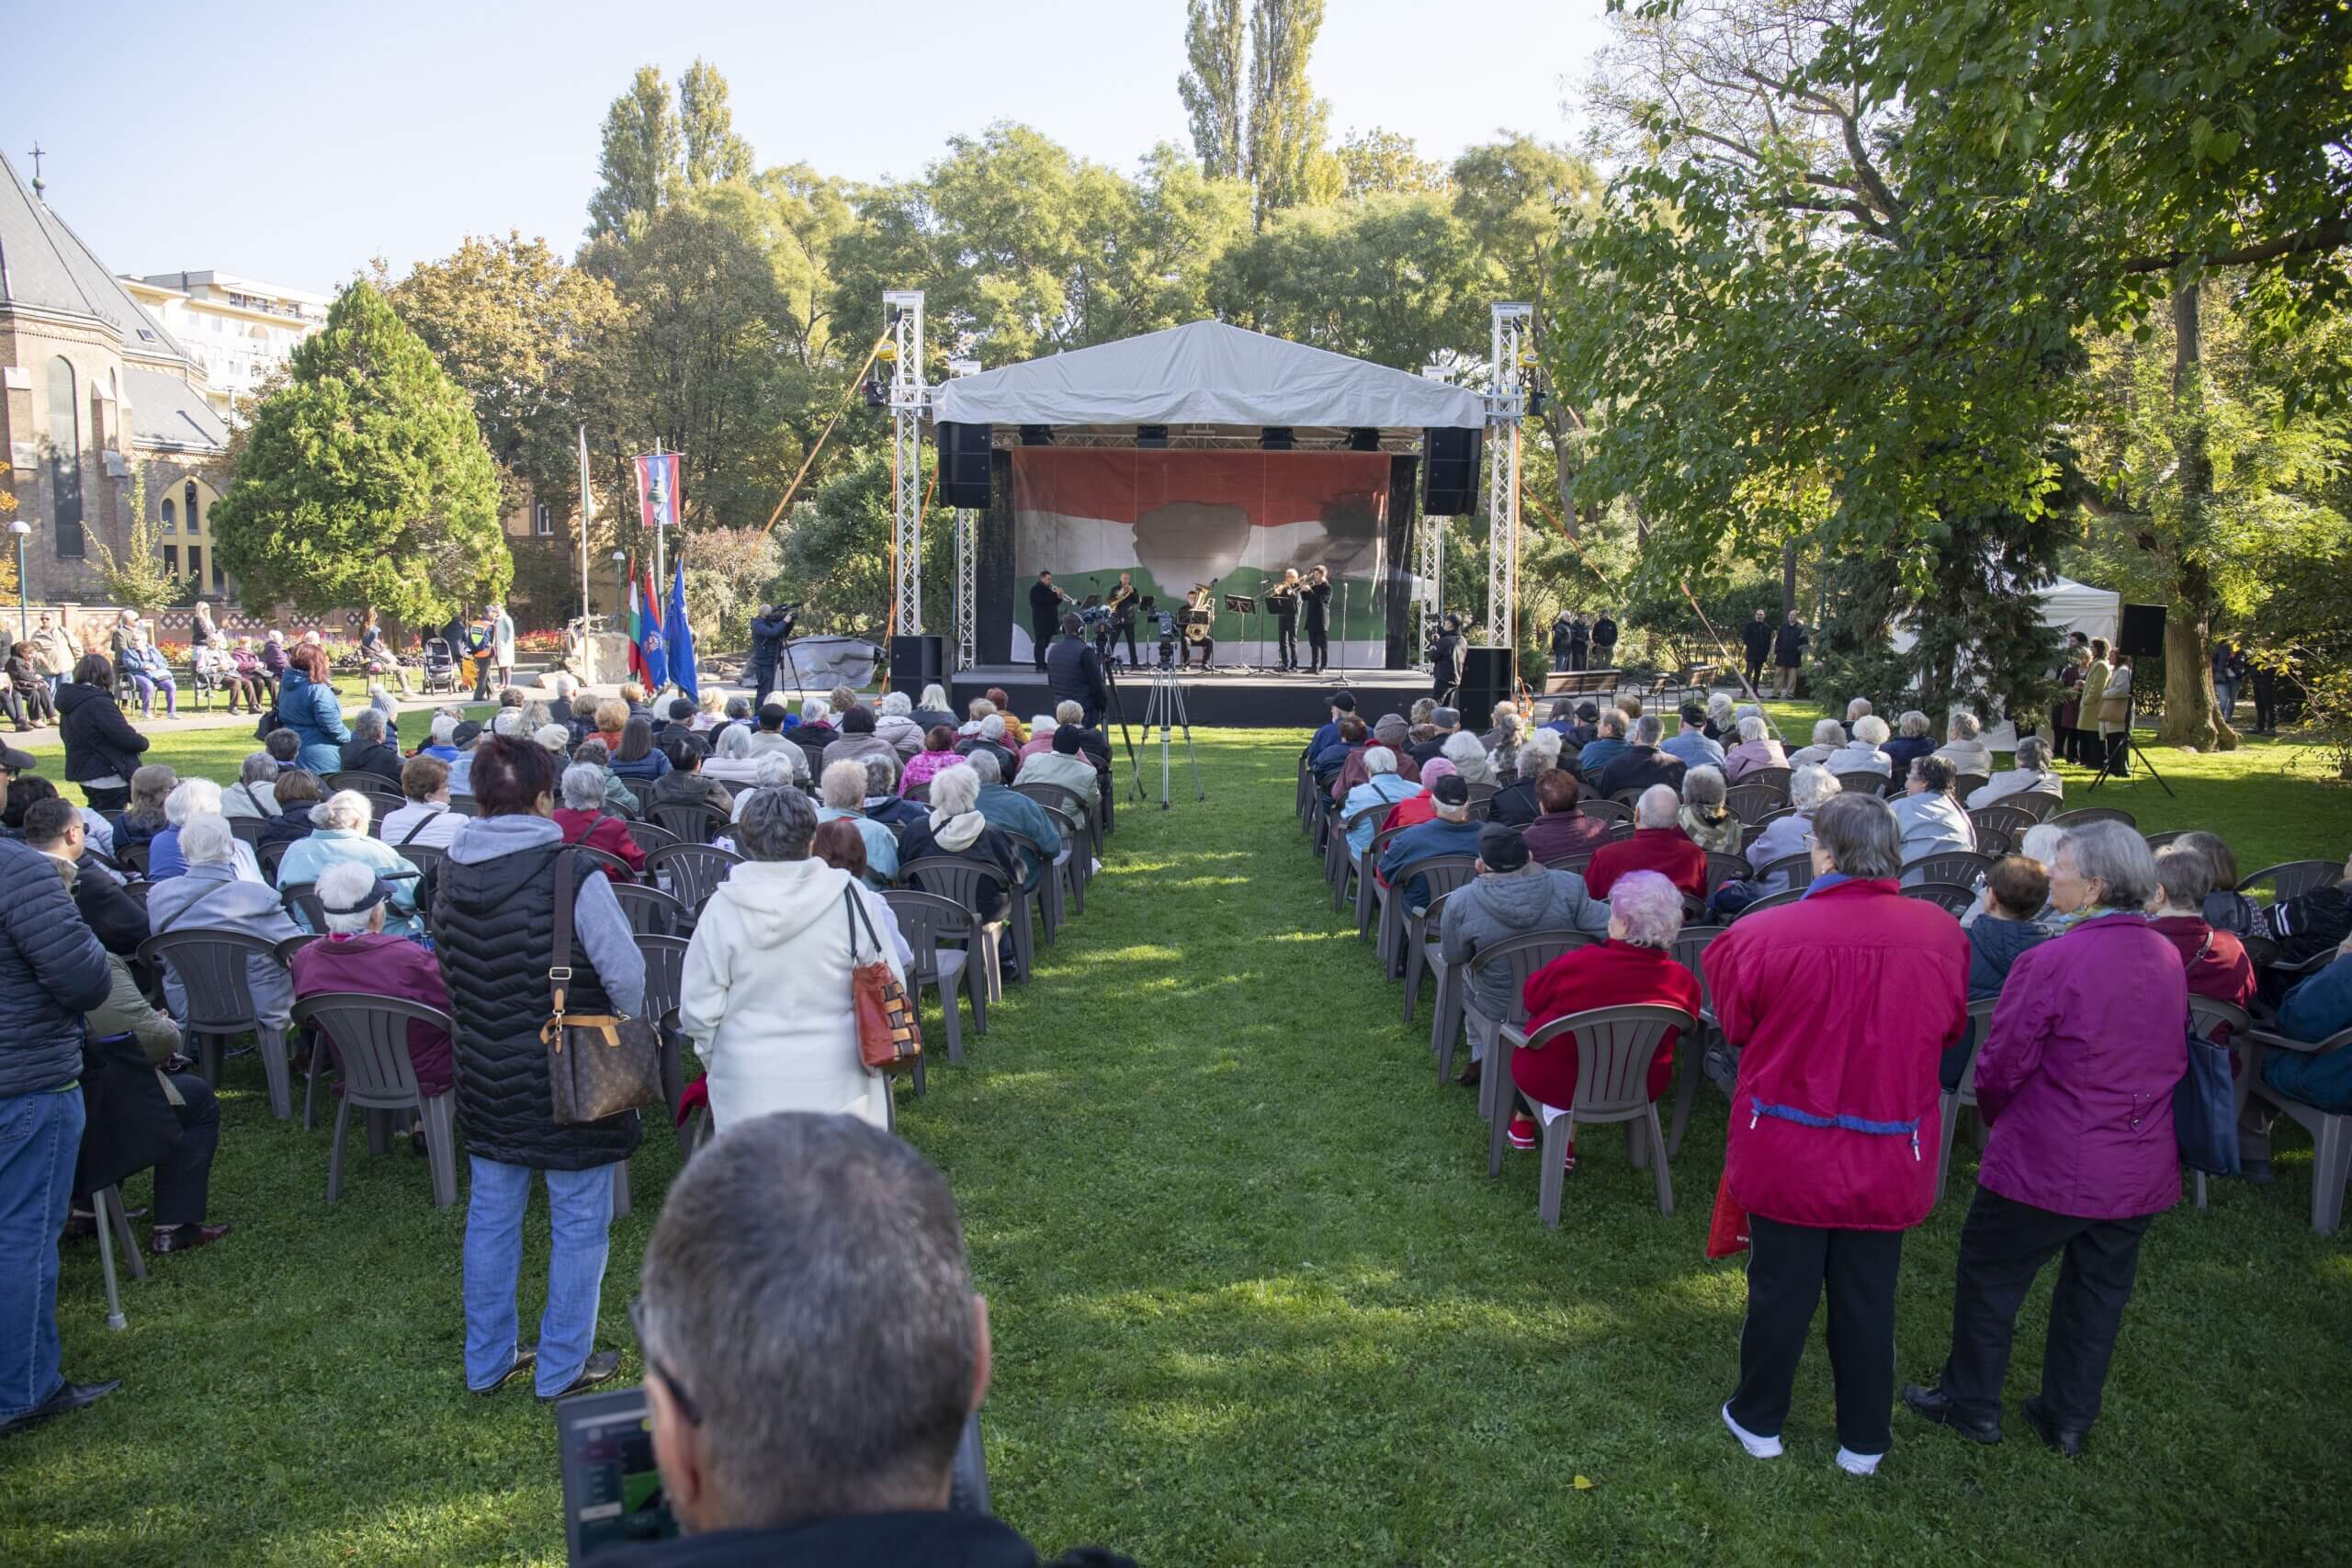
{"x":39,"y":185}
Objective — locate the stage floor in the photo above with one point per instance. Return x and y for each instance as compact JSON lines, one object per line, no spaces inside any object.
{"x":1255,"y":699}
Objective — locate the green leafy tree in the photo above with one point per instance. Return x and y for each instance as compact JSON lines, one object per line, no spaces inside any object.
{"x":1216,"y":34}
{"x":364,"y":479}
{"x":1386,"y":163}
{"x":639,"y":164}
{"x":709,"y":150}
{"x":836,"y":550}
{"x":1286,"y":161}
{"x":1390,"y":278}
{"x":137,"y":577}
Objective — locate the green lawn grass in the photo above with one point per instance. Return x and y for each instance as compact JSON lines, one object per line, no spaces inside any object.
{"x":1255,"y":1300}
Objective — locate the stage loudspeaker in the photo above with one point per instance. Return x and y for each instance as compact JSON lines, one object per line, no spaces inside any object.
{"x":2141,"y":634}
{"x":1486,"y":681}
{"x":963,"y":465}
{"x":1450,"y":487}
{"x":916,"y":662}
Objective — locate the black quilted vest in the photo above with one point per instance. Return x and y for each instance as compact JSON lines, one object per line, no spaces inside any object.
{"x":493,"y":930}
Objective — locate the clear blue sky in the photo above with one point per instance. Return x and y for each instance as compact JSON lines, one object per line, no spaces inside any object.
{"x":292,"y":142}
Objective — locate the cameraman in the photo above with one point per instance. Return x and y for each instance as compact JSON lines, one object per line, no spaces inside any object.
{"x":812,"y":1348}
{"x":768,"y":631}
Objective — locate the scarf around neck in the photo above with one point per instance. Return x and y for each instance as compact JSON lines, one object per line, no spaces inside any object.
{"x":957,"y":833}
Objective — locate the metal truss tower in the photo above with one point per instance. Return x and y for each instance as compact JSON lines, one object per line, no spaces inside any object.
{"x":1505,"y":406}
{"x":910,"y":400}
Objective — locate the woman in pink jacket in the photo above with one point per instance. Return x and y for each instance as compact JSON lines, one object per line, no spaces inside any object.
{"x":938,"y":752}
{"x":2074,"y":1079}
{"x":1842,"y":1005}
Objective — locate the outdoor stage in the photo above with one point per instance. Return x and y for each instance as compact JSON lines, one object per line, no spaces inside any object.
{"x":1263,"y":699}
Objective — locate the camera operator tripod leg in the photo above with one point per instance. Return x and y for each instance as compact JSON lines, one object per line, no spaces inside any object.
{"x":1166,"y":710}
{"x":2129,"y":749}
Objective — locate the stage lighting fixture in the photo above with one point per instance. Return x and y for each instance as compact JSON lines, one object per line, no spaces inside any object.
{"x":1276,"y":438}
{"x":1036,"y":436}
{"x":1535,"y":403}
{"x":877,"y":394}
{"x":1363,"y":440}
{"x":1151,"y":435}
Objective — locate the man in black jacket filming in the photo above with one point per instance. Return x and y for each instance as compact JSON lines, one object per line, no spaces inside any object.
{"x":813,"y":1351}
{"x":769,"y":628}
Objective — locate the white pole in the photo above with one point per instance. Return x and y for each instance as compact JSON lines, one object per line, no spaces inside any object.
{"x":587,"y":515}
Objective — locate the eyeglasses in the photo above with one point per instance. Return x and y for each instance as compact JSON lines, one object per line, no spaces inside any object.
{"x":1811,"y":842}
{"x":678,"y":1394}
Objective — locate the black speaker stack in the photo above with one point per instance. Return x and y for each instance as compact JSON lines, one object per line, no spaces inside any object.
{"x":917,"y":662}
{"x":1450,"y":482}
{"x":963,"y":465}
{"x":2142,"y":635}
{"x":1486,"y":681}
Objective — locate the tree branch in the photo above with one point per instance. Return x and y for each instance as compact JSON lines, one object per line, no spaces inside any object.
{"x":2328,"y":236}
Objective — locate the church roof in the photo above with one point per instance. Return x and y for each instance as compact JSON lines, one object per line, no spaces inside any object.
{"x":45,"y":267}
{"x":168,"y":414}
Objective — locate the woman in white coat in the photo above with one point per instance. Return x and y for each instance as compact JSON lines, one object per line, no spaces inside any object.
{"x":766,"y":990}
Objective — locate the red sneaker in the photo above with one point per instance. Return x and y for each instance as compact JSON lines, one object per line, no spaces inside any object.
{"x":1570,"y":1162}
{"x":1522,"y":1133}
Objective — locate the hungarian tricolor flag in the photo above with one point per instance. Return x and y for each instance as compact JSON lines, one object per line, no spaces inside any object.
{"x":647,"y":658}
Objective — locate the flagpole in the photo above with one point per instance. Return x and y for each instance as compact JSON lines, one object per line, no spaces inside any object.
{"x":587,"y":509}
{"x":658,"y":541}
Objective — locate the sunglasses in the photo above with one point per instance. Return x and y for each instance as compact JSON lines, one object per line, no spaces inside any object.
{"x":678,"y":1394}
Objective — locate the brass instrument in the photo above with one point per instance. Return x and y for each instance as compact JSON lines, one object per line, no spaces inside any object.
{"x":1200,"y":616}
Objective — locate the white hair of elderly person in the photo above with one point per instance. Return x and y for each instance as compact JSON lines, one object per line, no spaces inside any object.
{"x":2031,"y":775}
{"x":250,"y":795}
{"x":1828,"y":738}
{"x":1861,"y":755}
{"x":582,"y":787}
{"x":1660,"y":806}
{"x":339,"y":833}
{"x":895,"y":726}
{"x":1752,"y":749}
{"x":1964,"y":746}
{"x":1931,"y":820}
{"x":816,"y":710}
{"x":209,"y":896}
{"x":1469,"y":757}
{"x":340,"y":888}
{"x":1856,"y":709}
{"x":444,"y":729}
{"x":766,"y":994}
{"x":1785,"y":836}
{"x":1644,"y":911}
{"x":770,"y":771}
{"x":196,"y":798}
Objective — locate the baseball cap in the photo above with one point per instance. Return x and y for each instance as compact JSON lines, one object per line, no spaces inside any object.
{"x":1450,"y":791}
{"x":17,"y":761}
{"x":465,"y":732}
{"x":1344,"y":701}
{"x":378,"y":891}
{"x":1501,"y":847}
{"x":1446,"y":718}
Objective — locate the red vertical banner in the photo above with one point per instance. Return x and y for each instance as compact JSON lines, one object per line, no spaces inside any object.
{"x":661,"y":489}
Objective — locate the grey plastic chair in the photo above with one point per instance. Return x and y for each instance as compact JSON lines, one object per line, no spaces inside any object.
{"x":2001,"y":827}
{"x":211,"y":967}
{"x":265,"y":856}
{"x":665,"y":985}
{"x":1751,"y":802}
{"x":617,"y":869}
{"x":1961,"y":866}
{"x":1980,"y":1021}
{"x":2093,"y":814}
{"x":1605,"y":810}
{"x":1950,"y":896}
{"x":1368,"y":882}
{"x":643,"y":790}
{"x":648,"y":837}
{"x":1522,"y":956}
{"x":1967,"y":784}
{"x":958,"y":880}
{"x":1690,"y":951}
{"x":1614,"y":1047}
{"x":931,"y":922}
{"x":695,"y":871}
{"x":369,"y":1035}
{"x":1408,"y":945}
{"x":1773,"y":779}
{"x":365,"y":782}
{"x":1339,"y":865}
{"x":1579,"y":862}
{"x":1774,"y":902}
{"x":1797,"y":868}
{"x":248,"y":830}
{"x":652,"y":912}
{"x":2156,"y":841}
{"x":1756,"y":828}
{"x":2290,"y":879}
{"x":1723,"y":868}
{"x":2331,"y":1134}
{"x":1053,"y":885}
{"x":688,"y":821}
{"x":1077,"y":853}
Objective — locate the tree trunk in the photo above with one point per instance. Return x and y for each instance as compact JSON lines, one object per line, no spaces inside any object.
{"x":2192,"y":718}
{"x":1788,"y":579}
{"x":1563,"y":477}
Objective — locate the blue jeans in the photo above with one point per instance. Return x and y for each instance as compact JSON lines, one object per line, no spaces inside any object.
{"x":41,"y":1137}
{"x":580,"y":1213}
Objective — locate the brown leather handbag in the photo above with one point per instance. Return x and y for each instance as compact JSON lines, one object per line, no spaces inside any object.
{"x":888,"y":1036}
{"x":599,"y":1065}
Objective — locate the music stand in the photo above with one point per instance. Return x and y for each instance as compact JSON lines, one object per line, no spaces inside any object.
{"x":1242,"y":604}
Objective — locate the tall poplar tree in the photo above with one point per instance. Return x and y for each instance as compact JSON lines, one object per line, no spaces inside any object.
{"x":639,"y":160}
{"x":1215,"y":36}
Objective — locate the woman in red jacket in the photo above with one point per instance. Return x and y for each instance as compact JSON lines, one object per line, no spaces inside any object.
{"x":584,"y":819}
{"x":1842,"y":1004}
{"x":2074,"y":1080}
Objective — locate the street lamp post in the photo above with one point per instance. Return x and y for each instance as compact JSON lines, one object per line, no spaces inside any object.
{"x":19,"y":527}
{"x":620,"y":584}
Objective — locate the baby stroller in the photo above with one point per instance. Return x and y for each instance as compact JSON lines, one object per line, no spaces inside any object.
{"x":440,"y":666}
{"x":211,"y":665}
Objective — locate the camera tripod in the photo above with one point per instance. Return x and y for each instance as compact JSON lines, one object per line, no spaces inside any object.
{"x":1167,"y":709}
{"x":2131,"y":748}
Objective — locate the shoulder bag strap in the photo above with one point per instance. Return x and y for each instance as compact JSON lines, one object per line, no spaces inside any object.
{"x":422,"y":824}
{"x":567,"y":863}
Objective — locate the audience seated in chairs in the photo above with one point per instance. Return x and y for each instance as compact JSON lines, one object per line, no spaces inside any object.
{"x":1607,"y":745}
{"x":1657,"y":844}
{"x":1711,"y":823}
{"x":767,"y":998}
{"x":618,"y":797}
{"x":1516,"y":804}
{"x":843,"y":788}
{"x":1342,"y":703}
{"x":210,"y":896}
{"x":955,"y":826}
{"x":359,"y":955}
{"x":1841,"y":1005}
{"x":1064,"y":763}
{"x":1828,"y":739}
{"x":1559,"y":828}
{"x":895,"y":725}
{"x":1469,"y":757}
{"x":1911,"y":741}
{"x":829,"y":1435}
{"x":1009,"y":810}
{"x":190,"y":797}
{"x":884,"y":804}
{"x":938,"y":756}
{"x":2226,"y":908}
{"x":685,"y":783}
{"x":2080,"y":1158}
{"x":366,"y":752}
{"x":1512,"y":895}
{"x":339,"y":835}
{"x":424,"y":818}
{"x":683,"y":726}
{"x":2315,"y":1009}
{"x":296,"y":792}
{"x":1449,"y":832}
{"x":584,"y":818}
{"x":859,"y":739}
{"x":2007,"y":925}
{"x":144,"y":817}
{"x":1383,"y":785}
{"x":1420,"y":807}
{"x":2033,"y":774}
{"x":1327,"y":761}
{"x":1756,"y":748}
{"x":1963,"y":746}
{"x":1389,"y":732}
{"x":1931,"y":820}
{"x":1690,"y":744}
{"x":1634,"y":967}
{"x":1861,"y":755}
{"x":636,"y":757}
{"x":2215,"y":961}
{"x":442,"y":745}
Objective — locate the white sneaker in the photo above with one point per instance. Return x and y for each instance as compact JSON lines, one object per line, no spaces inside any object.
{"x":1853,"y":1464}
{"x":1758,"y":1448}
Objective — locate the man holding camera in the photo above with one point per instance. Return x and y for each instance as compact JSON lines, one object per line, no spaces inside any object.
{"x":812,"y":1350}
{"x":769,"y":628}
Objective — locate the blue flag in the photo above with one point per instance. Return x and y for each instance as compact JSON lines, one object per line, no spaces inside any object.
{"x":682,"y":636}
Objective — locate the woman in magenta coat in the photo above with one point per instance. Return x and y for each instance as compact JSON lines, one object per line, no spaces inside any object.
{"x":1842,"y":1004}
{"x":2074,"y":1080}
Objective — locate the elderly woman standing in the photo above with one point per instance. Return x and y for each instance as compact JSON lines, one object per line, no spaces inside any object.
{"x":339,"y":833}
{"x":1634,"y":967}
{"x":2074,"y":1080}
{"x":2115,"y":717}
{"x":1834,"y":1133}
{"x":767,"y":979}
{"x":494,"y":922}
{"x":1756,"y":748}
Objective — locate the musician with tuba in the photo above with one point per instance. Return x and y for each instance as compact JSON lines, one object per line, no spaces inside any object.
{"x":1200,"y":625}
{"x":1314,"y":592}
{"x":1283,"y":600}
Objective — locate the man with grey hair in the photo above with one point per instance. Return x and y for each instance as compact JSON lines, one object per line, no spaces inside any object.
{"x":2031,"y":775}
{"x":250,"y":795}
{"x":813,"y":1349}
{"x":367,"y":751}
{"x":883,"y":802}
{"x":1657,"y":844}
{"x":1515,"y":804}
{"x":1835,"y":1152}
{"x":1036,"y":835}
{"x":991,"y":739}
{"x":1606,"y":746}
{"x":210,"y":896}
{"x":843,"y":796}
{"x":1643,"y":765}
{"x":771,"y":771}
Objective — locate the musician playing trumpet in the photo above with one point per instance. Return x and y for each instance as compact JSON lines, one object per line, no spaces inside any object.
{"x":1284,"y":599}
{"x":1316,"y":592}
{"x":1045,"y":615}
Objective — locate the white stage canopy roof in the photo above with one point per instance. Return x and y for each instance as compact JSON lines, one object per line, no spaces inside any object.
{"x":1207,"y":373}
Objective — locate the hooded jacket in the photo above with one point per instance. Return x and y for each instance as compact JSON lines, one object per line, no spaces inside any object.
{"x":100,"y":742}
{"x":311,"y":711}
{"x":766,"y":993}
{"x":1508,"y":904}
{"x":1994,"y":948}
{"x":900,"y":733}
{"x":52,"y":972}
{"x":1842,"y":1004}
